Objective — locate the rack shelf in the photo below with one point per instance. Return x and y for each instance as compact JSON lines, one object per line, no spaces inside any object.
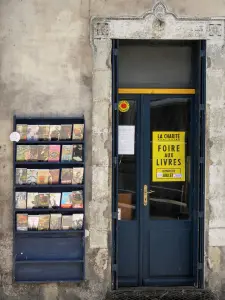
{"x":49,"y":261}
{"x":49,"y":210}
{"x":48,"y":232}
{"x":48,"y":163}
{"x":66,"y":142}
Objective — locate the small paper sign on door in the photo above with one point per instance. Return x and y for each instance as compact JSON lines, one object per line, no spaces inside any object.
{"x":126,"y":140}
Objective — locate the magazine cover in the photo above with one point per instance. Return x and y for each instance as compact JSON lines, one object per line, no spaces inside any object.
{"x":66,"y":201}
{"x":21,"y":176}
{"x":32,"y":200}
{"x":77,"y":221}
{"x":43,"y":151}
{"x":54,"y":133}
{"x":55,"y":200}
{"x":32,"y":175}
{"x":33,"y":222}
{"x":67,"y":152}
{"x":66,"y":132}
{"x":32,"y":132}
{"x":77,"y":152}
{"x":66,"y":176}
{"x":54,"y":153}
{"x":43,"y":133}
{"x":53,"y":176}
{"x":22,"y":130}
{"x":43,"y":176}
{"x":43,"y":223}
{"x":67,"y":222}
{"x":33,"y":153}
{"x":21,"y":200}
{"x":21,"y":222}
{"x":78,"y":174}
{"x":55,"y":221}
{"x":20,"y":152}
{"x":43,"y":199}
{"x":78,"y":131}
{"x":77,"y":199}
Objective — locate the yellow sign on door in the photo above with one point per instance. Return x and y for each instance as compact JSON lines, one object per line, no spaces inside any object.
{"x":168,"y":156}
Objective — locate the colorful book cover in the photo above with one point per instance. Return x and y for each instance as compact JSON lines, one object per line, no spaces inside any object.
{"x":66,"y":132}
{"x":53,"y":176}
{"x":55,"y":221}
{"x":77,"y":152}
{"x":33,"y":153}
{"x":20,"y":152}
{"x":43,"y":151}
{"x":66,"y":176}
{"x":32,"y":175}
{"x":32,"y":200}
{"x":67,"y":222}
{"x":21,"y":200}
{"x":77,"y":221}
{"x":54,"y":133}
{"x":44,"y":222}
{"x":27,"y":152}
{"x":67,"y":152}
{"x":55,"y":200}
{"x":33,"y":221}
{"x":22,"y":130}
{"x":21,"y":222}
{"x":32,"y":132}
{"x":21,"y":176}
{"x":43,"y":176}
{"x":78,"y":131}
{"x":43,"y":132}
{"x":66,"y":201}
{"x":43,"y":199}
{"x":54,"y":153}
{"x":77,"y":199}
{"x":78,"y":174}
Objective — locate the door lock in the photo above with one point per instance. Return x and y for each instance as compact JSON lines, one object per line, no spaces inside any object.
{"x":145,"y":195}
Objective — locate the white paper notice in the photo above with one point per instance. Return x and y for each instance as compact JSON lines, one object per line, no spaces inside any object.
{"x":126,"y":140}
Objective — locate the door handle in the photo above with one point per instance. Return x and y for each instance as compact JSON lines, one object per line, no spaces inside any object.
{"x":145,"y":195}
{"x":151,"y":191}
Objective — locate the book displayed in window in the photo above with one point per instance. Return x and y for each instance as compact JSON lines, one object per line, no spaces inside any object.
{"x":78,"y":174}
{"x":20,"y":153}
{"x":67,"y":222}
{"x":32,"y":132}
{"x":43,"y":176}
{"x":77,"y":199}
{"x":66,"y":176}
{"x":66,"y":132}
{"x":44,"y":222}
{"x":66,"y":201}
{"x":55,"y":200}
{"x":77,"y":153}
{"x":22,"y":222}
{"x":78,"y":131}
{"x":43,"y":152}
{"x":22,"y":130}
{"x":77,"y":221}
{"x":67,"y":153}
{"x":53,"y":176}
{"x":21,"y":200}
{"x":54,"y":133}
{"x":33,"y":221}
{"x":54,"y":153}
{"x":21,"y":176}
{"x":32,"y":200}
{"x":32,"y":175}
{"x":43,"y":132}
{"x":55,"y":221}
{"x":43,"y":200}
{"x":33,"y":153}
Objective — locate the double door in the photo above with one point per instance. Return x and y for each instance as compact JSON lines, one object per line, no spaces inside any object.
{"x":156,"y":190}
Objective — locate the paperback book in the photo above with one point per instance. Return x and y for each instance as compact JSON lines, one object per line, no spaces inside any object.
{"x":66,"y":201}
{"x":43,"y":199}
{"x":77,"y":221}
{"x":32,"y":175}
{"x":32,"y":200}
{"x":67,"y":222}
{"x":66,"y":132}
{"x":22,"y":130}
{"x":77,"y":199}
{"x":43,"y":133}
{"x":54,"y":133}
{"x":78,"y":131}
{"x":66,"y":176}
{"x":55,"y":221}
{"x":21,"y":222}
{"x":20,"y":153}
{"x":77,"y":153}
{"x":43,"y":176}
{"x":21,"y":176}
{"x":78,"y":174}
{"x":54,"y":153}
{"x":21,"y":200}
{"x":55,"y":200}
{"x":43,"y":223}
{"x":67,"y":153}
{"x":33,"y":221}
{"x":32,"y":132}
{"x":53,"y":176}
{"x":43,"y":151}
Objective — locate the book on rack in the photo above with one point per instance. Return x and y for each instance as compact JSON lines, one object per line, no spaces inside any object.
{"x":43,"y":176}
{"x":78,"y":174}
{"x":43,"y":152}
{"x":33,"y":221}
{"x":22,"y":130}
{"x":33,"y":153}
{"x":67,"y":152}
{"x":32,"y":132}
{"x":55,"y":200}
{"x":32,"y":200}
{"x":21,"y":200}
{"x":77,"y":199}
{"x":44,"y":222}
{"x":78,"y":131}
{"x":66,"y":201}
{"x":66,"y":132}
{"x":20,"y":152}
{"x":55,"y":221}
{"x":77,"y":153}
{"x":67,"y":222}
{"x":21,"y":222}
{"x":21,"y":176}
{"x":43,"y":132}
{"x":53,"y":176}
{"x":54,"y":153}
{"x":32,"y":175}
{"x":77,"y":221}
{"x":66,"y":176}
{"x":43,"y":199}
{"x":54,"y":133}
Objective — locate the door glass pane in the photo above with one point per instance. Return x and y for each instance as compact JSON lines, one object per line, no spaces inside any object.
{"x":170,"y":158}
{"x":127,"y":162}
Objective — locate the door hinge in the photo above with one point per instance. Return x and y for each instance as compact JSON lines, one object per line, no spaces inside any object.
{"x":115,"y":106}
{"x":114,"y":267}
{"x":115,"y":215}
{"x":202,"y":107}
{"x":115,"y":51}
{"x":200,"y":266}
{"x":202,"y":53}
{"x":202,"y":160}
{"x":115,"y":161}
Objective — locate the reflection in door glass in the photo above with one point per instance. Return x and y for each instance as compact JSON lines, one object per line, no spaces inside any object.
{"x":127,"y":163}
{"x":170,"y":158}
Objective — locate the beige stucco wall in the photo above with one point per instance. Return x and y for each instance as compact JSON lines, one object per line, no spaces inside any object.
{"x":49,"y":67}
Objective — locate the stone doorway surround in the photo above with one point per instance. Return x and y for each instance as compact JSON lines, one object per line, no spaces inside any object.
{"x":158,"y":24}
